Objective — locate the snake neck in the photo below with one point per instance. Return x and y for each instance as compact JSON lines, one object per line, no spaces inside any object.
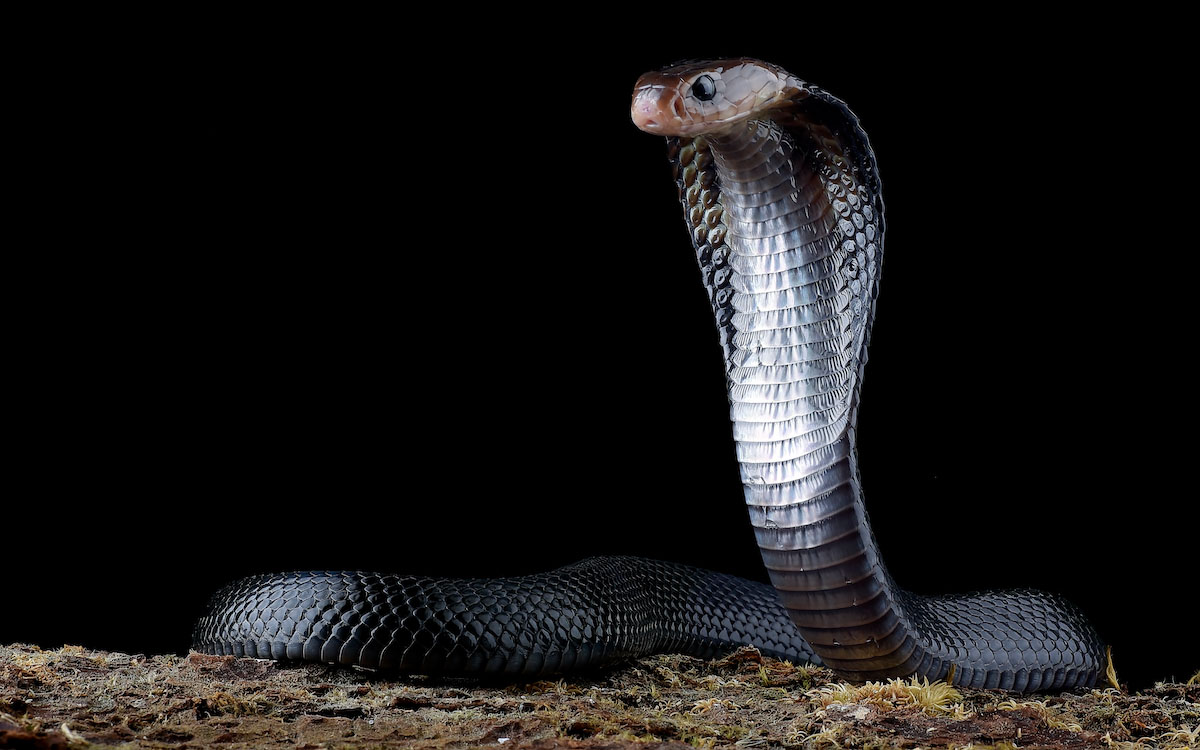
{"x":788,"y":225}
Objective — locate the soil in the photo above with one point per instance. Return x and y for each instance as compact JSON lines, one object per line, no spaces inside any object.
{"x":75,"y":698}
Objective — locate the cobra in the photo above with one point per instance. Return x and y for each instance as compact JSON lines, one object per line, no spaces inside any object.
{"x":781,"y":195}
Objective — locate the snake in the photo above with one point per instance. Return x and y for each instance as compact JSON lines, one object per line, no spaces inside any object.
{"x":781,"y":197}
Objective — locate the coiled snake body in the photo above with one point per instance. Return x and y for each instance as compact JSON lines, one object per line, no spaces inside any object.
{"x":782,"y":198}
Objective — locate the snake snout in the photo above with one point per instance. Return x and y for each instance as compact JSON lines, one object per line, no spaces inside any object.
{"x":648,"y":112}
{"x":659,"y":109}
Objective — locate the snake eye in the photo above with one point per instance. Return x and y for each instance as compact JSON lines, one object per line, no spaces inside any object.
{"x":704,"y":88}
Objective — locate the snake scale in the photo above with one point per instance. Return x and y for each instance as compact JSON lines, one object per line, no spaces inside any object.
{"x":781,"y":195}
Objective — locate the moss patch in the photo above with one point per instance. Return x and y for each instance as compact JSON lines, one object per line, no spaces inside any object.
{"x":73,"y":698}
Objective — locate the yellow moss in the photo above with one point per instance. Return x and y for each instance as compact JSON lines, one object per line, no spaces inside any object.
{"x":773,"y":672}
{"x":669,"y":677}
{"x":631,"y":737}
{"x":827,"y":737}
{"x":224,"y":703}
{"x":838,"y":692}
{"x":1195,"y":679}
{"x":1052,"y":718}
{"x":931,"y":697}
{"x":707,"y":704}
{"x":73,"y":739}
{"x":713,"y":682}
{"x":558,"y":687}
{"x":1111,"y":672}
{"x":732,"y":732}
{"x":8,"y":718}
{"x":1181,"y":738}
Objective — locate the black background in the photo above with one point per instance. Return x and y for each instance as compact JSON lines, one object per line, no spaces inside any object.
{"x":302,"y":293}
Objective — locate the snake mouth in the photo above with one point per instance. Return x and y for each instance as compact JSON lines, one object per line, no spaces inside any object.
{"x":661,"y":110}
{"x":649,"y":113}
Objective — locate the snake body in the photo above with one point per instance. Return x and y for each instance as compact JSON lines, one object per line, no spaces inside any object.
{"x":781,"y":194}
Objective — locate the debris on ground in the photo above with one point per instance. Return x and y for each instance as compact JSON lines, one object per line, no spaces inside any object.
{"x":73,"y":699}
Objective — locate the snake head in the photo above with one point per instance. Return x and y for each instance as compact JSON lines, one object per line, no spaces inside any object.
{"x":705,"y":97}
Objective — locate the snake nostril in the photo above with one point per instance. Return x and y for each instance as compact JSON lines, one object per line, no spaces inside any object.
{"x":647,"y":113}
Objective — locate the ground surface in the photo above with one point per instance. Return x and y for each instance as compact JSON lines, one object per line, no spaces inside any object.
{"x":72,"y":698}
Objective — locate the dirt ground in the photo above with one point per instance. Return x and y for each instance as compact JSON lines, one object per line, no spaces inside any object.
{"x":74,"y":698}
